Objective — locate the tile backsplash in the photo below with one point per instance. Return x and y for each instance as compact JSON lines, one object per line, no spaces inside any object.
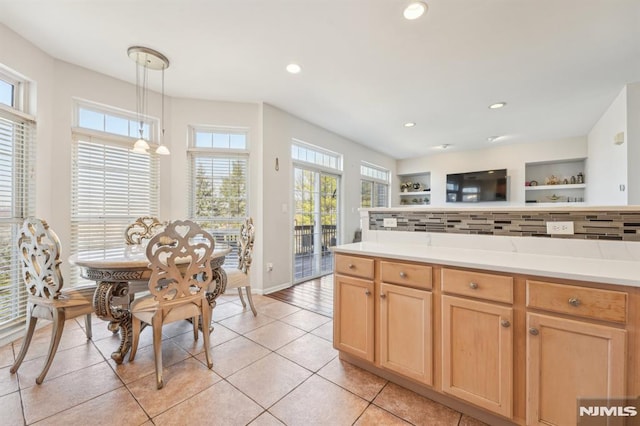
{"x":623,"y":225}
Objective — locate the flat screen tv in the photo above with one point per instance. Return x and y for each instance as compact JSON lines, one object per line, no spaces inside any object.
{"x":477,"y":187}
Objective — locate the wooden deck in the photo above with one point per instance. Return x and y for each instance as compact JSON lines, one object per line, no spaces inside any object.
{"x":315,"y":295}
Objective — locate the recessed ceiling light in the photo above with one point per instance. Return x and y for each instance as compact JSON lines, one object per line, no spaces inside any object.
{"x":294,"y":68}
{"x":443,"y":146}
{"x":409,"y":124}
{"x":497,"y":105}
{"x":415,"y":10}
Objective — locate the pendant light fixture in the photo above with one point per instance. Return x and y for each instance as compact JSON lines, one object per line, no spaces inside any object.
{"x":146,"y":59}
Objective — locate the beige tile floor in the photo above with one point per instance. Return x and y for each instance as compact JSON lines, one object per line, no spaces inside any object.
{"x":277,"y":368}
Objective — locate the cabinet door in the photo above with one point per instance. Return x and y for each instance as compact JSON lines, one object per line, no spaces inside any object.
{"x":567,"y":360}
{"x":477,"y":353}
{"x":353,"y":316}
{"x":405,"y":332}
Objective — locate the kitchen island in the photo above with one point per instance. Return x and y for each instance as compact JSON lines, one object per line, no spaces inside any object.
{"x":506,"y":329}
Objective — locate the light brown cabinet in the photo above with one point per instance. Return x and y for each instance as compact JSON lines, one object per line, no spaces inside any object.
{"x":405,"y":336}
{"x":569,"y":359}
{"x":477,"y":353}
{"x":353,"y":326}
{"x":515,"y":348}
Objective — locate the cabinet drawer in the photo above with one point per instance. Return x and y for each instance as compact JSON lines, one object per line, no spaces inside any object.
{"x":476,"y":284}
{"x":607,"y":305}
{"x":408,"y":274}
{"x":355,"y":266}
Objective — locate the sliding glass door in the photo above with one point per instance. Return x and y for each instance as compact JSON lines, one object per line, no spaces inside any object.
{"x":315,"y":222}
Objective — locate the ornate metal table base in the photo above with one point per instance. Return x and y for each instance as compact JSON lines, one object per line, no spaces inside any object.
{"x":119,"y":317}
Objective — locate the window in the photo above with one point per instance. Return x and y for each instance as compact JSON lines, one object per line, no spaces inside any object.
{"x":301,"y":151}
{"x":17,"y":191}
{"x":374,"y":186}
{"x":218,"y":163}
{"x":111,"y":185}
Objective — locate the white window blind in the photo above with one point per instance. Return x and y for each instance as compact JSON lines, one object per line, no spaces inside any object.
{"x":17,"y":201}
{"x":111,"y":187}
{"x":219,"y":169}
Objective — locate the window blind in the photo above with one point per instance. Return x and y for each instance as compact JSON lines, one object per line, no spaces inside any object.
{"x":17,"y":201}
{"x":111,"y":187}
{"x":218,"y":195}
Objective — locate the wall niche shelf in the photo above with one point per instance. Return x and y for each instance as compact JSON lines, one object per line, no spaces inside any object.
{"x":555,"y":187}
{"x":411,"y":196}
{"x":561,"y":193}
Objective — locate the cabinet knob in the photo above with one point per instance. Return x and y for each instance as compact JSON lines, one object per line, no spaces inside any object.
{"x":473,"y":285}
{"x":574,"y":301}
{"x":505,"y":323}
{"x":368,"y":293}
{"x":403,"y":275}
{"x":351,"y":266}
{"x":383,"y":296}
{"x":533,"y":331}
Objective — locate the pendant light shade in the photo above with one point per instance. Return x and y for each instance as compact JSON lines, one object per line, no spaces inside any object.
{"x":162,"y":150}
{"x":146,"y":59}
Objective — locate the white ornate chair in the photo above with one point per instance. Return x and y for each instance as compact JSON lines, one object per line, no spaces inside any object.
{"x":180,"y":262}
{"x":142,"y":230}
{"x":40,"y":250}
{"x":239,"y":277}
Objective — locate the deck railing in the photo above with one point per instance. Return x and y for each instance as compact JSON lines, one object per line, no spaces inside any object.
{"x":304,"y":238}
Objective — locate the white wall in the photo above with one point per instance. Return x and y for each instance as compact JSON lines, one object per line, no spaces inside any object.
{"x":36,"y":66}
{"x":633,"y":143}
{"x":58,"y":83}
{"x":280,"y":128}
{"x":511,"y":157}
{"x":607,"y":163}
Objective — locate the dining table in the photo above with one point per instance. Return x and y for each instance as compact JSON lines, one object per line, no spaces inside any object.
{"x":123,"y":271}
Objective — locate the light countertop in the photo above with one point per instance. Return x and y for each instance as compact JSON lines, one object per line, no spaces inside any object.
{"x":608,"y":271}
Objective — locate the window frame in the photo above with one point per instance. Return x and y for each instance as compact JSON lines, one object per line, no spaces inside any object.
{"x":375,"y":183}
{"x":193,"y":153}
{"x":111,"y":224}
{"x":21,"y":141}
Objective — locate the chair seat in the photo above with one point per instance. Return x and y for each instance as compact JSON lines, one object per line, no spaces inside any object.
{"x":144,"y":308}
{"x":70,"y":298}
{"x":236,"y":278}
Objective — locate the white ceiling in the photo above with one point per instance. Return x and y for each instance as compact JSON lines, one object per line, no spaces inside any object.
{"x":366,"y":70}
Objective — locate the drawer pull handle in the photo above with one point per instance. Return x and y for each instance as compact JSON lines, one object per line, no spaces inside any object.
{"x":473,"y":285}
{"x":383,"y":296}
{"x":351,"y":266}
{"x":403,"y":275}
{"x":368,"y":293}
{"x":533,"y":331}
{"x":505,"y":323}
{"x":574,"y":301}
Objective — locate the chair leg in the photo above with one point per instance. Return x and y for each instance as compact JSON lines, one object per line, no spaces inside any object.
{"x":253,"y":308}
{"x":87,"y":326}
{"x":244,"y":305}
{"x":206,"y":319}
{"x":31,"y":326}
{"x":56,"y":333}
{"x":136,"y":325}
{"x":194,"y":320}
{"x":156,"y":323}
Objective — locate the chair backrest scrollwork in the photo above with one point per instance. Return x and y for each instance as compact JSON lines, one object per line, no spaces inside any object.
{"x":180,"y":261}
{"x":245,"y":248}
{"x":143,"y":229}
{"x":40,"y":250}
